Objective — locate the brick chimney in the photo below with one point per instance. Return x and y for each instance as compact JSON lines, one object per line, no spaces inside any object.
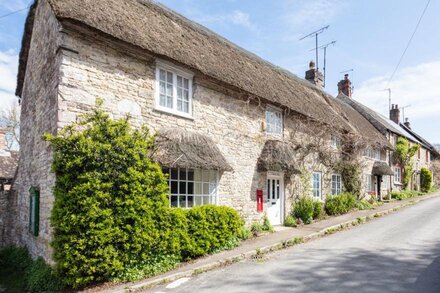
{"x":2,"y":139}
{"x":407,"y":124}
{"x":395,"y":113}
{"x":314,"y":76}
{"x":344,"y":86}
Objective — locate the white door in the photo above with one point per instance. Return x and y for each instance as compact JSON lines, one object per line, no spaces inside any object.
{"x":275,"y":199}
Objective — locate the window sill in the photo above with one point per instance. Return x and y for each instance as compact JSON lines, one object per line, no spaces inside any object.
{"x":174,"y":113}
{"x":398,"y":183}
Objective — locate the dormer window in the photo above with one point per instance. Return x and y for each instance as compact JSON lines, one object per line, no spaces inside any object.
{"x":274,"y":121}
{"x":173,"y":90}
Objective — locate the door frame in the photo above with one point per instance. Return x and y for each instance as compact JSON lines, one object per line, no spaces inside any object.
{"x":280,"y":176}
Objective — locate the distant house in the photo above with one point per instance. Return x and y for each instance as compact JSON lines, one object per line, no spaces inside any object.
{"x":392,"y":129}
{"x":231,"y":126}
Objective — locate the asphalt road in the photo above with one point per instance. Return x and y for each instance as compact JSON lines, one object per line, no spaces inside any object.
{"x":397,"y":253}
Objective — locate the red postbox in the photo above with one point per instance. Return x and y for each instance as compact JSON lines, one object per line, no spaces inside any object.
{"x":259,"y":200}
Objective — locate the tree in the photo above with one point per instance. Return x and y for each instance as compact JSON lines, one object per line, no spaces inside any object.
{"x":403,"y":155}
{"x":10,"y":121}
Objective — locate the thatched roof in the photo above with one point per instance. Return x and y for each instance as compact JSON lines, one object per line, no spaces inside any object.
{"x":8,"y":164}
{"x":168,"y":35}
{"x":184,"y":149}
{"x":277,"y":156}
{"x":381,"y":168}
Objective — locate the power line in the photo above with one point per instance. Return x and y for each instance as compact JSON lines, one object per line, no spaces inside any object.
{"x":409,"y":42}
{"x":14,"y":12}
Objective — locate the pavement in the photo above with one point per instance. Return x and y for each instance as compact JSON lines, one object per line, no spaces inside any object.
{"x":379,"y":256}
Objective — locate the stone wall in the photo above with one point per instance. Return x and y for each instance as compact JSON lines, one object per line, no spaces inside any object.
{"x":8,"y":212}
{"x":38,"y":115}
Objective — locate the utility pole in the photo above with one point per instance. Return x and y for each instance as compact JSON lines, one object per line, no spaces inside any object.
{"x":324,"y":47}
{"x":316,"y":33}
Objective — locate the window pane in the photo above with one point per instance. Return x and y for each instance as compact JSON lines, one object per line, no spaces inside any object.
{"x":162,"y":88}
{"x":185,"y":107}
{"x":169,"y":77}
{"x":162,"y":75}
{"x":182,"y":187}
{"x":205,"y":188}
{"x":182,"y":201}
{"x":191,"y":175}
{"x":174,"y":174}
{"x":169,"y":89}
{"x":190,"y":201}
{"x":174,"y":187}
{"x":198,"y":200}
{"x":174,"y":200}
{"x":186,"y":95}
{"x":179,"y":81}
{"x":169,"y":102}
{"x":182,"y":174}
{"x":198,"y":188}
{"x":163,"y":100}
{"x":186,"y":83}
{"x":190,"y":187}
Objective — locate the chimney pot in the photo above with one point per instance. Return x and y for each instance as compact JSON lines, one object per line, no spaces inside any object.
{"x":344,"y":86}
{"x":314,"y":76}
{"x":395,"y":113}
{"x":312,"y":65}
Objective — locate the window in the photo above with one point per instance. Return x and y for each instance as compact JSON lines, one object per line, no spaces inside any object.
{"x":34,"y":210}
{"x":316,"y":185}
{"x":369,"y":183}
{"x":192,"y":187}
{"x":385,"y":181}
{"x":372,"y":154}
{"x":336,"y":142}
{"x":274,"y":121}
{"x":336,"y":184}
{"x":174,"y":90}
{"x":397,"y":174}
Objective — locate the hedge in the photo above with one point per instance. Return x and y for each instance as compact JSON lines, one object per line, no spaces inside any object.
{"x":340,"y":204}
{"x":111,"y":215}
{"x":425,"y":180}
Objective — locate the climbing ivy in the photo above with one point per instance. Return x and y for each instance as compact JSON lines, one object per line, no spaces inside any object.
{"x":403,"y":155}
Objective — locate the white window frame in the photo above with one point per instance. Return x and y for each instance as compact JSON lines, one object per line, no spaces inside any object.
{"x":336,"y":184}
{"x":317,"y":192}
{"x":208,"y":181}
{"x":397,"y":175}
{"x":176,"y":72}
{"x":277,"y":112}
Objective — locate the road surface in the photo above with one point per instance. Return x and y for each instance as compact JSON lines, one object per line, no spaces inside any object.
{"x":396,"y":253}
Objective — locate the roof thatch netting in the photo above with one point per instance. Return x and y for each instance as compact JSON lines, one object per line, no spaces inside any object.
{"x":150,"y":26}
{"x":381,"y":168}
{"x":8,"y":164}
{"x":184,"y":149}
{"x":277,"y":156}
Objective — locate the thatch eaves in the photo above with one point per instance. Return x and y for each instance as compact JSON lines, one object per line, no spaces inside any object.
{"x":277,"y":156}
{"x":175,"y":148}
{"x":381,"y":168}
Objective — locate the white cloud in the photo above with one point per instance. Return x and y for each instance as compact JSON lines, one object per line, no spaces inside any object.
{"x":417,"y":86}
{"x":8,"y":73}
{"x":307,"y":13}
{"x":236,"y":17}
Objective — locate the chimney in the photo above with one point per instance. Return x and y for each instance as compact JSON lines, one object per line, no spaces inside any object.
{"x":395,"y":113}
{"x":2,"y":139}
{"x":344,"y":86}
{"x":314,"y":76}
{"x":407,"y":124}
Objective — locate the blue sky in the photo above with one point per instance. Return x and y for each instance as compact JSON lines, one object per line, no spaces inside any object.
{"x":370,"y":35}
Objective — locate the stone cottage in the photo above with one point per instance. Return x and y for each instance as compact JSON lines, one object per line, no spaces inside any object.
{"x":256,"y":128}
{"x":392,"y":129}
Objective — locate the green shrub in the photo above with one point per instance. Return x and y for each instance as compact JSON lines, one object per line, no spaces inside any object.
{"x":267,"y":226}
{"x":18,"y":272}
{"x":425,"y":180}
{"x":256,"y":229}
{"x":210,"y":227}
{"x":364,"y":205}
{"x":340,"y":204}
{"x":290,"y":221}
{"x":244,"y":233}
{"x":303,"y":209}
{"x":318,"y":210}
{"x":404,"y":194}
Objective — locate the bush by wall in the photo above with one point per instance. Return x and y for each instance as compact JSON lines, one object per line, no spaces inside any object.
{"x":425,"y":180}
{"x":19,"y":273}
{"x":318,"y":210}
{"x":404,"y":194}
{"x":111,"y":215}
{"x":340,"y":204}
{"x":211,"y":227}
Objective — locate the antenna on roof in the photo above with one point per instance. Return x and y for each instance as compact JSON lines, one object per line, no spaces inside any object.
{"x":403,"y":111}
{"x":324,"y":47}
{"x":346,"y":71}
{"x":316,"y":33}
